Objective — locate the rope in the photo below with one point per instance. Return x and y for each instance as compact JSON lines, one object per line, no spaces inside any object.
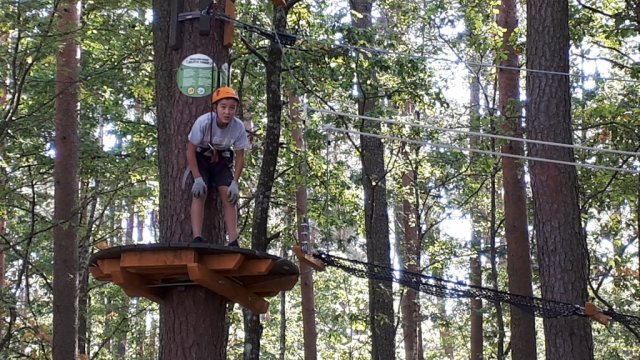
{"x":486,"y":152}
{"x":474,"y":133}
{"x":449,"y":289}
{"x":291,"y":39}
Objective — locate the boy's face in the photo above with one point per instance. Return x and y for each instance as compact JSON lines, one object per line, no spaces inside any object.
{"x":226,"y":109}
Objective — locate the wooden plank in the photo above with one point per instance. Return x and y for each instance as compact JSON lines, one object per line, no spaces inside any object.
{"x":134,"y":285}
{"x":158,"y":258}
{"x":227,"y":288}
{"x":222,"y":262}
{"x":277,"y":284}
{"x":107,"y":266}
{"x":98,"y":274}
{"x":229,"y":28}
{"x":305,"y":258}
{"x":250,"y":268}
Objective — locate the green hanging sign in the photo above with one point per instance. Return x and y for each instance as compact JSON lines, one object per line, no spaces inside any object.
{"x":195,"y":75}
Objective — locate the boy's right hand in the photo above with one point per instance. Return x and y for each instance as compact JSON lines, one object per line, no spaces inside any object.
{"x":199,"y":188}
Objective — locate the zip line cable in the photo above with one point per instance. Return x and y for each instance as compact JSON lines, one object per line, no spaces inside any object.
{"x":290,"y":39}
{"x":486,"y":152}
{"x":431,"y":285}
{"x":466,"y":132}
{"x":444,"y":288}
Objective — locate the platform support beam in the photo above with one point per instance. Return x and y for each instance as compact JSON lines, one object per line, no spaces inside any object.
{"x":227,"y":288}
{"x":134,"y":286}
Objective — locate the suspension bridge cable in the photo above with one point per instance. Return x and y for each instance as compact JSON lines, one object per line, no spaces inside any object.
{"x":449,"y":289}
{"x":486,"y":152}
{"x":466,"y":132}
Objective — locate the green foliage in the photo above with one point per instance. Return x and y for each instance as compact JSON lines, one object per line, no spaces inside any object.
{"x":414,"y":48}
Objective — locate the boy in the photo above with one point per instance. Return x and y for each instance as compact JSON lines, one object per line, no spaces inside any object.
{"x":217,"y":139}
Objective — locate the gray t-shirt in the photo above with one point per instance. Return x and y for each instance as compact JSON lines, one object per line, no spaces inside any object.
{"x":233,"y":136}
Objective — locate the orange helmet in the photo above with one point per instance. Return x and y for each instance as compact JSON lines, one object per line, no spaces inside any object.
{"x":224,"y":93}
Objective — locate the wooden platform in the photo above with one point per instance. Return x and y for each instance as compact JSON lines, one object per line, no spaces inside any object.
{"x":243,"y":276}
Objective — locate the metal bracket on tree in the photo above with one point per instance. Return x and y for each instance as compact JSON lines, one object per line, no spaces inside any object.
{"x":203,"y":15}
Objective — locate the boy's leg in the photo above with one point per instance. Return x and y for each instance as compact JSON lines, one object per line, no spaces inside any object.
{"x":197,"y":215}
{"x":230,"y":214}
{"x":197,"y":204}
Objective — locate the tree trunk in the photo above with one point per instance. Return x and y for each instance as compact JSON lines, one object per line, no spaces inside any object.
{"x":128,"y":237}
{"x":259,"y":230}
{"x":191,"y":317}
{"x":65,"y":241}
{"x":410,"y":255}
{"x":475,"y":265}
{"x":381,"y":317}
{"x":87,"y":222}
{"x":494,"y":259}
{"x":309,"y":331}
{"x":523,"y":334}
{"x":3,"y":182}
{"x":561,"y":242}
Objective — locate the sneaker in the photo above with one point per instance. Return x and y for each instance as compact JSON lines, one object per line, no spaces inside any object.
{"x":197,"y":239}
{"x":233,"y":243}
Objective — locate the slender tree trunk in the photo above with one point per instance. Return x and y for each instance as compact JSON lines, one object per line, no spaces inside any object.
{"x":259,"y":230}
{"x":191,"y":318}
{"x":152,"y":344}
{"x":523,"y":335}
{"x":3,"y":182}
{"x":446,"y":342}
{"x":381,"y":316}
{"x":65,"y":241}
{"x":88,"y":220}
{"x":410,"y":254}
{"x":310,"y":335}
{"x":494,"y":259}
{"x":561,"y":241}
{"x":130,"y":224}
{"x":283,"y":314}
{"x":475,"y":265}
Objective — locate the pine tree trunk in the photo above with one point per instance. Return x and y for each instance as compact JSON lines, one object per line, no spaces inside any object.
{"x":561,"y":242}
{"x":494,"y":260}
{"x":523,"y":335}
{"x":87,"y":222}
{"x":259,"y":231}
{"x":191,"y":317}
{"x":310,"y":335}
{"x":475,"y":266}
{"x":381,"y":316}
{"x":65,"y":241}
{"x":128,"y":237}
{"x":3,"y":181}
{"x":410,"y":255}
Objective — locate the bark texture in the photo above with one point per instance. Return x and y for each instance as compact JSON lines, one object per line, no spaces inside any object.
{"x":381,"y":317}
{"x":561,"y":242}
{"x":410,"y":255}
{"x":475,"y":265}
{"x":65,"y":239}
{"x":523,"y":335}
{"x":259,"y":230}
{"x":309,"y":331}
{"x":192,"y":319}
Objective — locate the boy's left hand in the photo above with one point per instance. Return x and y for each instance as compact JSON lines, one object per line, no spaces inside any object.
{"x":233,"y":192}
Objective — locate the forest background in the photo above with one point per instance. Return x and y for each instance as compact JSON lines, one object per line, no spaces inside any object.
{"x":432,"y":63}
